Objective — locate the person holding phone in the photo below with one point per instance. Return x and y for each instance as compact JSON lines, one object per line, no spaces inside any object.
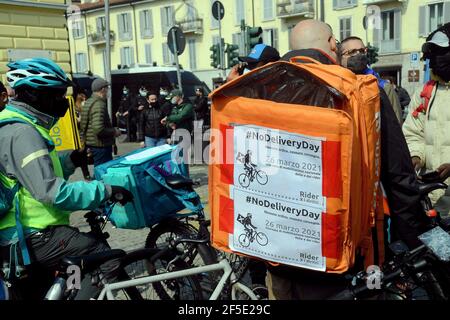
{"x":260,"y":55}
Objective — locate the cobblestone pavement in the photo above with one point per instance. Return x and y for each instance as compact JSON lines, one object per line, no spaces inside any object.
{"x":133,"y":239}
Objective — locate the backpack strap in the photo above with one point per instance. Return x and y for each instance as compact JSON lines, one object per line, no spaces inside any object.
{"x":426,"y":94}
{"x":15,"y":192}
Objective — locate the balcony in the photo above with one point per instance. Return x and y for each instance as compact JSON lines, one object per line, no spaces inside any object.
{"x":194,"y":26}
{"x":372,"y":2}
{"x":295,"y":8}
{"x":97,"y":39}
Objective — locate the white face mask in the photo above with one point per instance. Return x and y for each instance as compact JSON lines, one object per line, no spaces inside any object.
{"x":246,"y":71}
{"x":143,"y":93}
{"x":163,"y":93}
{"x":174,"y":100}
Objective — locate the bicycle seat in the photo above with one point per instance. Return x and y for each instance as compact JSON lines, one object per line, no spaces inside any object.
{"x":177,"y":181}
{"x":426,"y":188}
{"x":88,"y":263}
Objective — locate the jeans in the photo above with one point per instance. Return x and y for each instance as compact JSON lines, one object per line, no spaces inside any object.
{"x":154,"y":142}
{"x":48,"y":247}
{"x":101,"y":155}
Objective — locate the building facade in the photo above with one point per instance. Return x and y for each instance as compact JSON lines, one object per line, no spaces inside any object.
{"x":397,"y":27}
{"x":33,"y":28}
{"x":139,"y":30}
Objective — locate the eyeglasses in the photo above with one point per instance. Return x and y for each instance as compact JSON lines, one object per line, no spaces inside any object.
{"x":354,"y":52}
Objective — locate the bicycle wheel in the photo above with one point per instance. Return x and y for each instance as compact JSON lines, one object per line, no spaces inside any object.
{"x":244,"y":240}
{"x":262,"y":177}
{"x":198,"y":255}
{"x":261,"y":238}
{"x":184,"y":288}
{"x":244,"y":180}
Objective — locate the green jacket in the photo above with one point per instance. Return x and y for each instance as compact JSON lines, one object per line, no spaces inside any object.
{"x":96,"y":129}
{"x":182,"y":115}
{"x":28,"y":154}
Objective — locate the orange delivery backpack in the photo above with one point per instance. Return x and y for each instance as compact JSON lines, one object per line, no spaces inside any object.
{"x":294,"y":165}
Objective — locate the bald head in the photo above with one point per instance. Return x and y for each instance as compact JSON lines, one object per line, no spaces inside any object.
{"x":313,"y":34}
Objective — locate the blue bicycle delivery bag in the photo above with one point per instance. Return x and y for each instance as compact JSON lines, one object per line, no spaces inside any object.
{"x":143,"y":172}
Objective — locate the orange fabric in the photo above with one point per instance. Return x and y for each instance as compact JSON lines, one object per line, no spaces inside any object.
{"x":351,"y":155}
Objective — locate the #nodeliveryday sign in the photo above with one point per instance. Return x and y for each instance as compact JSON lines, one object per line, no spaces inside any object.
{"x":277,"y":195}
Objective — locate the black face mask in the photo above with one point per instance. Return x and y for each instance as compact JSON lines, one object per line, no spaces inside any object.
{"x":441,"y":66}
{"x":358,"y":63}
{"x":51,"y":102}
{"x":154,"y":104}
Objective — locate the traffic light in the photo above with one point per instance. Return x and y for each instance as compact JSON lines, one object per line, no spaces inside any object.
{"x":254,"y":37}
{"x":372,"y":54}
{"x":232,"y":55}
{"x":215,"y":56}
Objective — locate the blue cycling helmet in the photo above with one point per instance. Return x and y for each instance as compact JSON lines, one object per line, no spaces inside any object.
{"x":37,"y":73}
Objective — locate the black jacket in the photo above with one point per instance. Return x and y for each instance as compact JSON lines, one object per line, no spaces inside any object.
{"x":150,"y":121}
{"x":201,"y":107}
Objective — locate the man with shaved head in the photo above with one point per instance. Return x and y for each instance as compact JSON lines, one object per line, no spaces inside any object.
{"x":315,"y":39}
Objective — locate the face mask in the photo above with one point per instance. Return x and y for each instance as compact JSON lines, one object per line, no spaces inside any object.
{"x":143,"y":93}
{"x":125,"y":92}
{"x":246,"y":71}
{"x":441,"y":66}
{"x":174,"y":100}
{"x":154,"y":104}
{"x":358,"y":63}
{"x":163,"y":93}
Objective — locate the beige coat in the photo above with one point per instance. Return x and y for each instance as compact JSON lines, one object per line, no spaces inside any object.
{"x":428,"y":137}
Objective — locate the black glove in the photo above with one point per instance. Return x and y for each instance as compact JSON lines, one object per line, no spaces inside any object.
{"x":79,"y":158}
{"x":121,"y":195}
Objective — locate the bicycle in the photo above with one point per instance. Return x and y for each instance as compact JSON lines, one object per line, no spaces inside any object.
{"x":222,"y":265}
{"x":250,"y":175}
{"x":425,"y":267}
{"x":250,"y":236}
{"x":130,"y":267}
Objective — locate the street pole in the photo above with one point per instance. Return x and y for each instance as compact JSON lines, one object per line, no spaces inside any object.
{"x":108,"y":57}
{"x":222,"y":55}
{"x":175,"y":48}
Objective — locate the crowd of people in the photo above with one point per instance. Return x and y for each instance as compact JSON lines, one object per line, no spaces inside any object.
{"x":35,"y":99}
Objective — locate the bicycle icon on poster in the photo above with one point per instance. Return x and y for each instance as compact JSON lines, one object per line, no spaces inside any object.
{"x":251,"y":172}
{"x":250,"y":234}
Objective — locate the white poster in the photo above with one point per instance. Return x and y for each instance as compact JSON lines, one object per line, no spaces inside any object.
{"x":278,"y":197}
{"x":279,"y":164}
{"x":277,"y":230}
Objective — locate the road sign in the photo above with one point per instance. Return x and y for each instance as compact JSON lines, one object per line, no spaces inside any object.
{"x":415,"y":59}
{"x":179,"y":38}
{"x":218,"y":10}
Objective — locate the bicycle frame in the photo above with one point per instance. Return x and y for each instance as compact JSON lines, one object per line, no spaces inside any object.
{"x":222,"y":265}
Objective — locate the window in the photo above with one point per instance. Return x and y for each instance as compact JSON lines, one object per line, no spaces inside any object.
{"x":342,"y":4}
{"x":345,"y":28}
{"x":267,"y":9}
{"x":238,"y":40}
{"x":101,"y":25}
{"x":166,"y":19}
{"x":388,"y":38}
{"x":214,"y":22}
{"x":125,"y":28}
{"x":433,"y":16}
{"x":127,"y":56}
{"x":168,"y":57}
{"x":148,"y":53}
{"x":270,"y":37}
{"x":78,"y":29}
{"x":81,"y":62}
{"x":146,"y":21}
{"x":192,"y":54}
{"x":240,"y":11}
